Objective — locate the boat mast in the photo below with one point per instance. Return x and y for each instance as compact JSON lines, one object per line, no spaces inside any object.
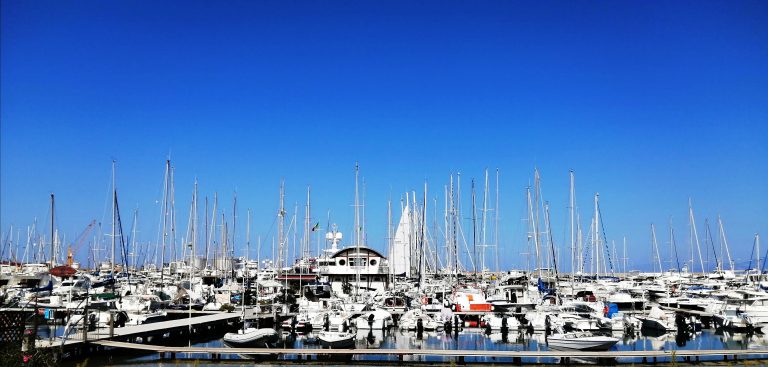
{"x":656,"y":247}
{"x":496,"y":225}
{"x":571,"y":209}
{"x":474,"y":230}
{"x":423,"y":242}
{"x":166,"y":193}
{"x":597,"y":236}
{"x":357,"y":233}
{"x":53,"y":256}
{"x":280,"y":227}
{"x":483,"y":242}
{"x":724,"y":242}
{"x":307,"y":235}
{"x":694,"y":237}
{"x":389,"y":238}
{"x":114,"y":201}
{"x":247,"y":236}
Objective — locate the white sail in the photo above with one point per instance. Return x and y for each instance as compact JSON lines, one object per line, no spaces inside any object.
{"x":400,"y":258}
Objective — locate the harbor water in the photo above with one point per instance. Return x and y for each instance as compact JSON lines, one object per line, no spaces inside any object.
{"x":468,"y":339}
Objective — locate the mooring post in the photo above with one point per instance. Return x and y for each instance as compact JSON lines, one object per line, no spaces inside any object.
{"x":111,"y":324}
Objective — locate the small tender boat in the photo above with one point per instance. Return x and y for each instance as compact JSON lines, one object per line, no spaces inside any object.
{"x":251,"y":337}
{"x":579,"y":340}
{"x":336,"y":339}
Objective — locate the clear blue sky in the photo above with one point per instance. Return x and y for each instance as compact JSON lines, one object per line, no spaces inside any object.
{"x":650,"y":102}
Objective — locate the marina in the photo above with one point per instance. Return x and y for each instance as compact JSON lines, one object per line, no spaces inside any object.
{"x":360,"y":304}
{"x":383,"y":183}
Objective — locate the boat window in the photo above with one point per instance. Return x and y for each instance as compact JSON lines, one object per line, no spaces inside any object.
{"x":373,"y":261}
{"x":342,"y":262}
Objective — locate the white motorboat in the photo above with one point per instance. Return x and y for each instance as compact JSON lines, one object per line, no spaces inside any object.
{"x":336,"y":339}
{"x":500,"y":322}
{"x":658,"y":320}
{"x":578,"y":340}
{"x":375,"y":320}
{"x":251,"y":337}
{"x":415,"y":319}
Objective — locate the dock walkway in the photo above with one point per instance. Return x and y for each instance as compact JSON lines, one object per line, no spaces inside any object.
{"x":516,"y":356}
{"x":134,"y":331}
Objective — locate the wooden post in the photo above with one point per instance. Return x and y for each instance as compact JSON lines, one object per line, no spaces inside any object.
{"x":111,"y":324}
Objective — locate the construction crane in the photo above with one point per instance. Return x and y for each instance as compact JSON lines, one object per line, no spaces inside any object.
{"x":79,"y":242}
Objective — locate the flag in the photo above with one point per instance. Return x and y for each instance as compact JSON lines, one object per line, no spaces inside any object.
{"x":316,"y":227}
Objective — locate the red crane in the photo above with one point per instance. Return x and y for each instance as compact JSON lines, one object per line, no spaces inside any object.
{"x":79,"y":241}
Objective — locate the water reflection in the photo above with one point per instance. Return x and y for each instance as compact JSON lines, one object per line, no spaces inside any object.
{"x":478,"y":339}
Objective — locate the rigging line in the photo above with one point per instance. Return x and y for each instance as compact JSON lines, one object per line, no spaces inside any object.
{"x":751,"y":256}
{"x":605,"y":238}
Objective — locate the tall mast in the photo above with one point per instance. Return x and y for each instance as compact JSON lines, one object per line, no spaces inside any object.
{"x":194,"y":230}
{"x":207,"y":242}
{"x":357,"y":207}
{"x":496,"y":225}
{"x":389,"y":237}
{"x":229,"y":256}
{"x":571,"y":209}
{"x":597,"y":236}
{"x":531,"y":229}
{"x":53,"y":256}
{"x":423,"y":227}
{"x":280,"y":227}
{"x":483,"y":222}
{"x":454,"y":238}
{"x":656,"y":247}
{"x":307,"y":235}
{"x":474,"y":230}
{"x":247,"y":237}
{"x":536,"y":231}
{"x":357,"y":233}
{"x":694,"y":237}
{"x":724,"y":242}
{"x":172,"y":191}
{"x":166,"y":193}
{"x":114,"y":200}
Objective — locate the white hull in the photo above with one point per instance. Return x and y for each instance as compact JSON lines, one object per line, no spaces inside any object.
{"x":336,"y":340}
{"x":580,"y":342}
{"x":251,"y":337}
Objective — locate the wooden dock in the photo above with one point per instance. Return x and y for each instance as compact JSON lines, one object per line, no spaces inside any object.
{"x":133,"y":332}
{"x":460,"y":355}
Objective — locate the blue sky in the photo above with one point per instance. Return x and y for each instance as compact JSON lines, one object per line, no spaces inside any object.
{"x":649,"y":102}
